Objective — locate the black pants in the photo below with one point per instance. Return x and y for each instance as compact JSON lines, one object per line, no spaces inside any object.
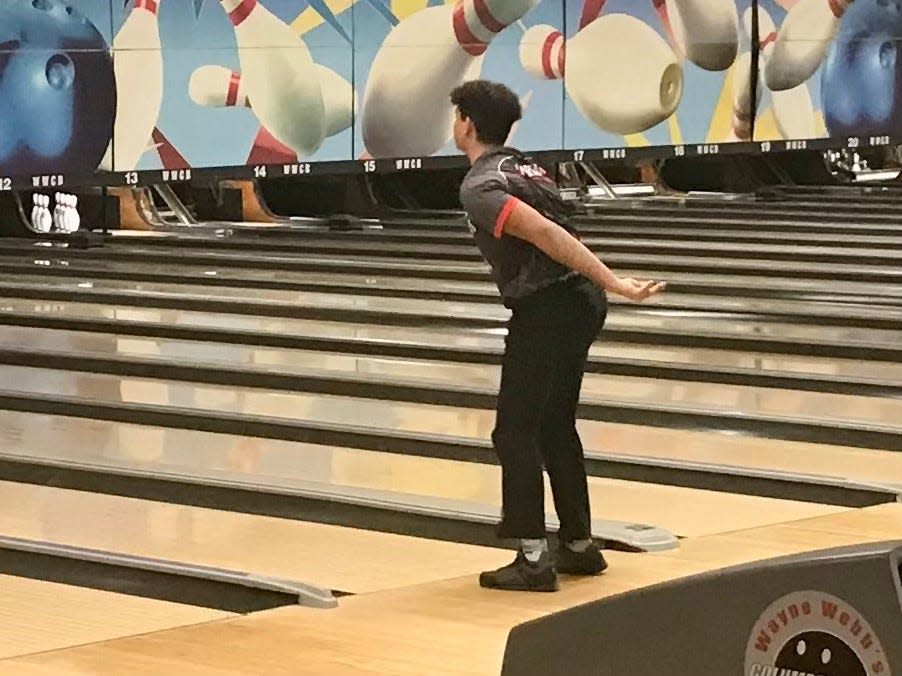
{"x":547,"y":345}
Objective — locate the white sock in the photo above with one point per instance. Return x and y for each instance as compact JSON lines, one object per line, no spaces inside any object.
{"x":579,"y":546}
{"x":533,"y":549}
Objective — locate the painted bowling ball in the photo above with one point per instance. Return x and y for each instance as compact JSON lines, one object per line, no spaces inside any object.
{"x":57,"y":89}
{"x":817,"y":652}
{"x":862,"y":74}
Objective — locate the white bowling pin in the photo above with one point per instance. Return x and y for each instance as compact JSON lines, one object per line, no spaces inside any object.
{"x":74,"y":220}
{"x":743,"y":113}
{"x":65,"y":208}
{"x":62,"y":212}
{"x":746,"y":26}
{"x":406,"y":110}
{"x":46,"y":216}
{"x":279,"y":76}
{"x":63,"y":223}
{"x":58,"y":211}
{"x":620,"y":74}
{"x":138,"y":67}
{"x":35,"y":210}
{"x":543,"y":52}
{"x":803,"y":41}
{"x":794,"y":112}
{"x":793,"y":108}
{"x":707,"y":31}
{"x":524,"y":104}
{"x":339,"y":100}
{"x":219,"y":87}
{"x":38,"y":212}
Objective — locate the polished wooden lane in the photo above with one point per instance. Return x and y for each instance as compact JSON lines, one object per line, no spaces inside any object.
{"x":147,"y":448}
{"x":37,"y":616}
{"x":441,"y":314}
{"x":677,"y":309}
{"x":683,"y":511}
{"x":291,"y":360}
{"x":754,"y":400}
{"x":444,"y":628}
{"x":446,"y":419}
{"x":332,"y":557}
{"x":284,"y":409}
{"x":213,"y":275}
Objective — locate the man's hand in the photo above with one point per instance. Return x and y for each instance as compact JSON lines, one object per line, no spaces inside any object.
{"x":636,"y":290}
{"x":528,"y":224}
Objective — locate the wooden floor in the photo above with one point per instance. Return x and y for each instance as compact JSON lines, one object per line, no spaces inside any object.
{"x":294,"y":360}
{"x":439,"y":310}
{"x":332,"y":557}
{"x":37,"y":616}
{"x":734,"y":398}
{"x":443,"y":419}
{"x":208,"y":536}
{"x":409,"y":606}
{"x":449,"y":627}
{"x":143,"y":447}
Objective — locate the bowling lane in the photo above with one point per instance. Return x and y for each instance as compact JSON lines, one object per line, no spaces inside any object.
{"x":744,"y":215}
{"x":469,"y":338}
{"x":264,"y":546}
{"x":686,"y":512}
{"x":684,"y":309}
{"x":294,"y":360}
{"x":447,"y":420}
{"x":664,"y":228}
{"x":450,"y":375}
{"x":763,"y":232}
{"x":484,"y":291}
{"x":470,"y":269}
{"x":467,"y":252}
{"x":703,"y":232}
{"x":41,"y":616}
{"x":100,"y":442}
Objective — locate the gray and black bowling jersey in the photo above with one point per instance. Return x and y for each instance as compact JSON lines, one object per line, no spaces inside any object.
{"x":489,"y":192}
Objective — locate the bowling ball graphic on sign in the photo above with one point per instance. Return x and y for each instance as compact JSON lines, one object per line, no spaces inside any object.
{"x":812,"y":633}
{"x":861,"y":82}
{"x":816,"y":652}
{"x":57,"y":89}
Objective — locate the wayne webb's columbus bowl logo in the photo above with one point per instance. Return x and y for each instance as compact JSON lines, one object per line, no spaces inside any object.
{"x":811,"y":633}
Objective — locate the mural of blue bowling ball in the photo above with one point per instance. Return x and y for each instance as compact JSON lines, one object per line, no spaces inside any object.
{"x":57,"y":89}
{"x":862,"y":75}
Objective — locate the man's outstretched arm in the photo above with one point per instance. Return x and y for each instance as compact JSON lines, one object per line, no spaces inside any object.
{"x":526,"y":223}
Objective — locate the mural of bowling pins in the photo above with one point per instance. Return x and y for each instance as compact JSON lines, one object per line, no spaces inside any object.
{"x":620,"y":74}
{"x":405,"y":109}
{"x":743,"y":114}
{"x":138,"y":67}
{"x":279,"y":76}
{"x":219,"y":87}
{"x":706,"y":31}
{"x":803,"y":41}
{"x":793,"y":109}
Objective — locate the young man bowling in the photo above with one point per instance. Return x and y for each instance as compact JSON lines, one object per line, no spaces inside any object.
{"x":555,"y":288}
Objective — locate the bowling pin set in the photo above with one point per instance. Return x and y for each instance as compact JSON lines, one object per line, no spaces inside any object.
{"x":622,"y":74}
{"x":63,"y":218}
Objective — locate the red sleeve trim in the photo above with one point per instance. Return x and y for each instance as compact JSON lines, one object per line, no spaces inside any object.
{"x":504,"y":214}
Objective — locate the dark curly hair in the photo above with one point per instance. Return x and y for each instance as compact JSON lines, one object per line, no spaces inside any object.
{"x":491,"y":106}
